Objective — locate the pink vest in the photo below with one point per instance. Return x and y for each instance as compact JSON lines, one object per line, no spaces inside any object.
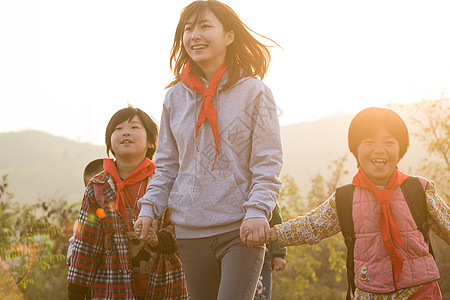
{"x":373,"y":266}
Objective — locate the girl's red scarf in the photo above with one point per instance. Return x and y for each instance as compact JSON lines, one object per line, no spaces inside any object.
{"x":142,"y":171}
{"x":207,"y":110}
{"x":388,"y":225}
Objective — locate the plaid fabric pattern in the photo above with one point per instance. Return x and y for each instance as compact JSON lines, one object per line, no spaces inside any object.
{"x":101,"y":257}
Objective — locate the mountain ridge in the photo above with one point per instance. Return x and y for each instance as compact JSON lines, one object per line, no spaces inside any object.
{"x":40,"y":164}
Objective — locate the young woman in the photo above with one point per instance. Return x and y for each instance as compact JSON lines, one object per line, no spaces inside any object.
{"x":219,"y":160}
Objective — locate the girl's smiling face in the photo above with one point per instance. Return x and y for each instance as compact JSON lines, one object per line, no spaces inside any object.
{"x":378,"y":156}
{"x":206,"y":41}
{"x":129,"y":140}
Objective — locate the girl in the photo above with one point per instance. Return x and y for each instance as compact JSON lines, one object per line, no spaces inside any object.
{"x":391,"y":256}
{"x":107,"y":255}
{"x":219,"y":163}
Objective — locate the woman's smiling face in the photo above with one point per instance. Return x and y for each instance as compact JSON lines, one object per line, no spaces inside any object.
{"x":206,"y":41}
{"x":378,"y":156}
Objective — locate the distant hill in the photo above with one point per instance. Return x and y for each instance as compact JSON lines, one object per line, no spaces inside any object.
{"x":309,"y":148}
{"x":39,"y":164}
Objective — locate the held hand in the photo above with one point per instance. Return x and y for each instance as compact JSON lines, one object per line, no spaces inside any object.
{"x":278,"y":263}
{"x":141,"y":226}
{"x":151,"y":237}
{"x":255,"y":232}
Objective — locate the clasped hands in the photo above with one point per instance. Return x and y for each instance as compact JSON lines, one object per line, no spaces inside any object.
{"x":145,"y":232}
{"x":254,"y":232}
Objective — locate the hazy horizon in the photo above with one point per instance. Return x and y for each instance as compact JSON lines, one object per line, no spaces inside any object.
{"x":66,"y":67}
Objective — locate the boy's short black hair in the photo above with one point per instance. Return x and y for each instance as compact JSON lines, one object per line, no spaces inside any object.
{"x":91,"y":169}
{"x":127,"y":114}
{"x":368,"y":122}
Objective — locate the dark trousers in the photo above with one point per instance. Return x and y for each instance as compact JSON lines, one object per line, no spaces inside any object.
{"x":220,"y":267}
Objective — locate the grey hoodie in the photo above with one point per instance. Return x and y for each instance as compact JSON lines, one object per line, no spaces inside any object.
{"x":245,"y":181}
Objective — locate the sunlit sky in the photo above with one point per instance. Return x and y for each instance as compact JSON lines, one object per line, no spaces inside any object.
{"x":67,"y":66}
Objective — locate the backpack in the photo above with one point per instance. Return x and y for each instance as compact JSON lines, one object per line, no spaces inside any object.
{"x":415,"y":197}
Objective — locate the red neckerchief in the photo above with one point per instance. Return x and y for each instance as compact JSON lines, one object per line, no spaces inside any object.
{"x":142,"y":171}
{"x":388,"y":225}
{"x":207,"y":111}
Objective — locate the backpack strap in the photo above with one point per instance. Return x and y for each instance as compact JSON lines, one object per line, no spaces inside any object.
{"x":344,"y":202}
{"x":415,"y":197}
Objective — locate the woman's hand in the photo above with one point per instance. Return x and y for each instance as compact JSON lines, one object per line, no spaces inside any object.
{"x":255,"y":232}
{"x":141,"y":227}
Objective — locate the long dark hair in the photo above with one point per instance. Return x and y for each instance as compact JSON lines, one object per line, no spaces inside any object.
{"x":245,"y":53}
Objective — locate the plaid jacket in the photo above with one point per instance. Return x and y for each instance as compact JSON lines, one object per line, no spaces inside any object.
{"x":101,"y":258}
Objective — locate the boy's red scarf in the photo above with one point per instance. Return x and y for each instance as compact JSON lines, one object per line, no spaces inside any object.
{"x":388,"y":225}
{"x":142,"y":171}
{"x":207,"y":110}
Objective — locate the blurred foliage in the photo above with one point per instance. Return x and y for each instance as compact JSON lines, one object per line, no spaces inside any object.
{"x":34,"y":239}
{"x":429,"y":122}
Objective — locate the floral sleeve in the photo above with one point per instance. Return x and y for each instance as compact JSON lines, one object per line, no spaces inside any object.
{"x":439,"y":220}
{"x":315,"y":226}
